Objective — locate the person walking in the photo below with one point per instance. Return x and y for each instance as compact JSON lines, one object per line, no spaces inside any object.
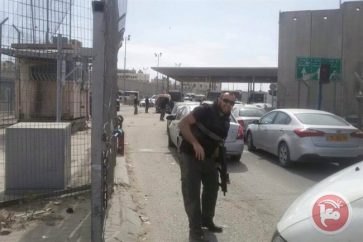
{"x":198,"y":162}
{"x":163,"y":103}
{"x":136,"y":102}
{"x":147,"y":104}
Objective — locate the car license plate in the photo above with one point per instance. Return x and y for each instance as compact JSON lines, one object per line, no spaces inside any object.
{"x":337,"y":138}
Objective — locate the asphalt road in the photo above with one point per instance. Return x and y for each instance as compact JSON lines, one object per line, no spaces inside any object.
{"x":259,"y":193}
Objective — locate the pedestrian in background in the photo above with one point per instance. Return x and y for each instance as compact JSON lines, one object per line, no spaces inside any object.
{"x":146,"y":104}
{"x":163,"y":103}
{"x":136,"y":102}
{"x":198,"y":162}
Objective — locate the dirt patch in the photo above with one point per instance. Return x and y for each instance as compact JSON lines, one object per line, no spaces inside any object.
{"x":22,"y":216}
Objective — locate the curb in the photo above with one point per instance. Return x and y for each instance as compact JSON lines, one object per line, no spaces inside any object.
{"x":122,"y":221}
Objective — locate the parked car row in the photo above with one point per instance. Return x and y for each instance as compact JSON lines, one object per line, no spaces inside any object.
{"x":329,"y":211}
{"x":332,"y":209}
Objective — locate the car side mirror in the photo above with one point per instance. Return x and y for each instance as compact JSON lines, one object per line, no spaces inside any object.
{"x":256,"y":122}
{"x":170,"y":117}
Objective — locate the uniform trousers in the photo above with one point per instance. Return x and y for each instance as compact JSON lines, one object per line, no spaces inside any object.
{"x":200,"y":208}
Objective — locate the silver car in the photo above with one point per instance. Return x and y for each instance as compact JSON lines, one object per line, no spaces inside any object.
{"x":245,"y":114}
{"x":234,"y":142}
{"x":305,"y":134}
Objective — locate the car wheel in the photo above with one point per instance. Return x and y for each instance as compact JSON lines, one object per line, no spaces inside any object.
{"x":170,"y":143}
{"x":284,"y":155}
{"x":236,"y":158}
{"x":250,"y":145}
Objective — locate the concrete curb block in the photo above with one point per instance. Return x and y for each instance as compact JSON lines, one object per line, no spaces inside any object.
{"x":122,"y":222}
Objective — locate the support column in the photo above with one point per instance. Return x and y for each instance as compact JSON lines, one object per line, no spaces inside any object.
{"x":97,"y":120}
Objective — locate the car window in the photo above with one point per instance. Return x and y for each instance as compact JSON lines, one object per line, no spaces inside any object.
{"x":251,"y":112}
{"x":268,"y":118}
{"x":235,"y":112}
{"x":282,"y":118}
{"x":176,"y":107}
{"x":179,"y":113}
{"x":232,"y":119}
{"x":185,"y":112}
{"x":320,"y":119}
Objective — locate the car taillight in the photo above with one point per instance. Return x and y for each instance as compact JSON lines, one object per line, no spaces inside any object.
{"x":240,"y":132}
{"x":308,"y":133}
{"x":241,"y":123}
{"x":357,"y":134}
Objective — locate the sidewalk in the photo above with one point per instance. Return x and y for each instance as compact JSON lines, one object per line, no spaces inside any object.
{"x":122,"y":222}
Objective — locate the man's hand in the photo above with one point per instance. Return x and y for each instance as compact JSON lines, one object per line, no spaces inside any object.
{"x":199,"y":151}
{"x":185,"y":130}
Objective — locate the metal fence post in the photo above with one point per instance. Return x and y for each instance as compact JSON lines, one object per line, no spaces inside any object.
{"x":59,"y":77}
{"x":97,"y":119}
{"x":1,"y":37}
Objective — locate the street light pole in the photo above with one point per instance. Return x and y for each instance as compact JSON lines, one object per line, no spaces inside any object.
{"x":124,"y":76}
{"x":157,"y":55}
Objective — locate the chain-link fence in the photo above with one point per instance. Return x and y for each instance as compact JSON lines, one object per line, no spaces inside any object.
{"x":49,"y":52}
{"x":45,"y":126}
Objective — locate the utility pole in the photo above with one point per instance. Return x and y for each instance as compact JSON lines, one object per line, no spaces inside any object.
{"x":157,"y":55}
{"x":124,"y":76}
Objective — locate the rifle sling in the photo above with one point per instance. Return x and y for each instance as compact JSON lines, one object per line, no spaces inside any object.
{"x":209,"y":133}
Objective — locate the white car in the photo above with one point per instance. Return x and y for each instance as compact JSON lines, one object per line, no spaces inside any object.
{"x":331,"y":211}
{"x":234,"y":142}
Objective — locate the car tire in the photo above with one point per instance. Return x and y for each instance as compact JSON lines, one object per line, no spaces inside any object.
{"x":250,"y":145}
{"x":284,"y":155}
{"x":236,"y":158}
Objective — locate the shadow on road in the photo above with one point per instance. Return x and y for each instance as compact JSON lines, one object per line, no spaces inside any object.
{"x":210,"y":236}
{"x":236,"y":167}
{"x":312,"y":170}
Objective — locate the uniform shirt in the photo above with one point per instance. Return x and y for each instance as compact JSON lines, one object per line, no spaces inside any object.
{"x":212,"y":119}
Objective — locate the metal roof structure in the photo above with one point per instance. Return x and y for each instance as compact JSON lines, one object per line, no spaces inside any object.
{"x":220,"y":74}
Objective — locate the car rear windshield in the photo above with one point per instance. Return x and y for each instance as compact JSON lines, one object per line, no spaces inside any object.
{"x":251,"y":112}
{"x":320,"y":119}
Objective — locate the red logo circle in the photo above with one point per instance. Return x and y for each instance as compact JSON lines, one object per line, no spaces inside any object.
{"x":331,"y":213}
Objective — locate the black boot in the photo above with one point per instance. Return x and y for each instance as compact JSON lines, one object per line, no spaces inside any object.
{"x":212,"y":227}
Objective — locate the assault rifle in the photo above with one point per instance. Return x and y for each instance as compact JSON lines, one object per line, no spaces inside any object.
{"x":222,"y":168}
{"x":221,"y":160}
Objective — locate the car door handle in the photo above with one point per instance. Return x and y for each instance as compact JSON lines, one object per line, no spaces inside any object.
{"x":281,"y":130}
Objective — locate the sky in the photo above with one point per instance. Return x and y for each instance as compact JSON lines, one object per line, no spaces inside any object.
{"x":207,"y":33}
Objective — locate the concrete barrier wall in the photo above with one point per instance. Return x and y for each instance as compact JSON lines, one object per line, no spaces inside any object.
{"x":334,"y":34}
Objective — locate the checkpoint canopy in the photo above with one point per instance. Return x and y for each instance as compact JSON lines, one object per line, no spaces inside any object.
{"x":220,"y":74}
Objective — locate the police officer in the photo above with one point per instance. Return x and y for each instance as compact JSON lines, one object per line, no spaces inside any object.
{"x":197,"y":163}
